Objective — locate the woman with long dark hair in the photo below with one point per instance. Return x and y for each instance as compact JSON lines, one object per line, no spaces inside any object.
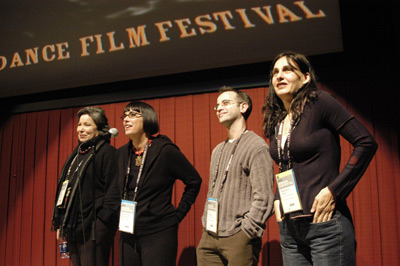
{"x":303,"y":124}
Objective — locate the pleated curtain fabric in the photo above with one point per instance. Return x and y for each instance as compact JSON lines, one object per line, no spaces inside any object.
{"x":35,"y":145}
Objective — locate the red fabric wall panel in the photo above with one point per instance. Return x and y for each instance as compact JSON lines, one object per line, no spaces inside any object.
{"x":15,"y":239}
{"x":202,"y":151}
{"x":184,"y":140}
{"x":26,"y":193}
{"x":35,"y":146}
{"x":5,"y":186}
{"x":52,"y":171}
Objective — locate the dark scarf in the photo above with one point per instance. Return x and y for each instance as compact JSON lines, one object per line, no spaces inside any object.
{"x":67,"y":221}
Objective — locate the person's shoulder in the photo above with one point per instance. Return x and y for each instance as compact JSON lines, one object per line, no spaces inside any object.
{"x":161,"y":140}
{"x":255,"y":139}
{"x":162,"y":143}
{"x":123,"y":148}
{"x":254,"y":143}
{"x":329,"y":101}
{"x":106,"y":151}
{"x":325,"y":102}
{"x":218,"y":147}
{"x":329,"y":108}
{"x":325,"y":97}
{"x":107,"y":147}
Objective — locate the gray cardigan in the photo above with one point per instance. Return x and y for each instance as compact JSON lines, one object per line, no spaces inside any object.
{"x":246,"y":200}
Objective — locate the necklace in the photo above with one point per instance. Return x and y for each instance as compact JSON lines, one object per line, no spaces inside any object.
{"x":138,"y":160}
{"x":85,"y":151}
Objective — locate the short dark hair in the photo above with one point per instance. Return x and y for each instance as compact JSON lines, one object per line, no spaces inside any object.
{"x":242,"y":97}
{"x":150,"y":119}
{"x":99,"y":117}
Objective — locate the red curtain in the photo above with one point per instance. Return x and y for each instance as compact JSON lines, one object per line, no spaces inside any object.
{"x":35,"y":145}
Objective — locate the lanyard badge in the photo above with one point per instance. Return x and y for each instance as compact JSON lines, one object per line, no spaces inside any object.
{"x":61,"y":196}
{"x":286,"y":180}
{"x":212,"y":215}
{"x":127,"y":216}
{"x":128,"y":208}
{"x":290,"y":198}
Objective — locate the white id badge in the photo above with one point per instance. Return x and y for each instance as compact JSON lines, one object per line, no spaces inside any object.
{"x":212,"y":215}
{"x":290,"y":197}
{"x":62,"y":193}
{"x":127,"y":216}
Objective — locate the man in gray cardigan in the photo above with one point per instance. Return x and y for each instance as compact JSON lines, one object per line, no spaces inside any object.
{"x":240,"y":194}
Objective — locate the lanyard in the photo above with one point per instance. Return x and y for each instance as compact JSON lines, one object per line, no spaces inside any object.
{"x":128,"y":170}
{"x":279,"y":144}
{"x":68,"y":177}
{"x":279,"y":138}
{"x":228,"y":165}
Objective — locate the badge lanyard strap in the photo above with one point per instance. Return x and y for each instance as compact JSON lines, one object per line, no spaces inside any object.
{"x":279,"y":144}
{"x":279,"y":138}
{"x":72,"y":163}
{"x":227,"y":167}
{"x":70,"y":167}
{"x":128,"y":170}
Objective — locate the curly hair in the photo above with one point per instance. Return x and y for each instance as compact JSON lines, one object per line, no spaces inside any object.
{"x":273,"y":109}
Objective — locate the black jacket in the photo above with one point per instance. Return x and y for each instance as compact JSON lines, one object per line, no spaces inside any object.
{"x":164,"y":164}
{"x":106,"y":191}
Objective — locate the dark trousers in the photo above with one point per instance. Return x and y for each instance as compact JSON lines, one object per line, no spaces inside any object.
{"x":81,"y":253}
{"x":155,"y":249}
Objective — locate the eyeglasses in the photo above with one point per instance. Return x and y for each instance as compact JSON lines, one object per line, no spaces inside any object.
{"x":225,"y":103}
{"x":131,"y":115}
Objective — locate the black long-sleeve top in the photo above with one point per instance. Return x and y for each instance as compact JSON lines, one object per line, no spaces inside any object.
{"x":315,"y":151}
{"x":164,"y":164}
